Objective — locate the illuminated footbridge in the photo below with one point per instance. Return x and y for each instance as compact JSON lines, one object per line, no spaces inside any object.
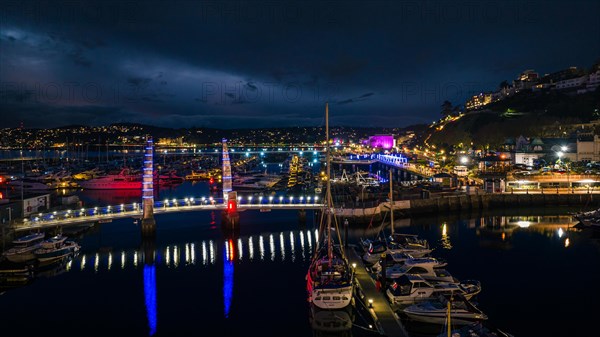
{"x":135,"y":210}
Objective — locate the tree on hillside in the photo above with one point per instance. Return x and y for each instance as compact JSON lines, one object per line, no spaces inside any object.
{"x":503,"y":84}
{"x":446,"y":108}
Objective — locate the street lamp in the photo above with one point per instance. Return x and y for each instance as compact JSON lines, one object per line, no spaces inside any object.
{"x":560,"y":154}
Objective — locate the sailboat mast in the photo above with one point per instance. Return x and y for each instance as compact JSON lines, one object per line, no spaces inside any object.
{"x":328,"y":193}
{"x":391,"y":204}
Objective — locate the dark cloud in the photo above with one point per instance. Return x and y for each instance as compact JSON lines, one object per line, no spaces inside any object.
{"x":384,"y":59}
{"x":139,"y":82}
{"x":362,"y":97}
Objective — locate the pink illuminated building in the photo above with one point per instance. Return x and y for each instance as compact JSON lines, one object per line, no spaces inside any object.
{"x":385,"y":142}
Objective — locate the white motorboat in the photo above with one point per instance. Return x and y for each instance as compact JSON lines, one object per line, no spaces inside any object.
{"x":388,"y":260}
{"x":374,"y":249}
{"x":396,"y":243}
{"x":461,"y":311}
{"x":409,"y":243}
{"x":23,"y":247}
{"x":410,"y":289}
{"x":428,"y":268}
{"x":55,"y":248}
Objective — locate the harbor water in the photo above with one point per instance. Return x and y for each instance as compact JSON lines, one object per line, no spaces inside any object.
{"x":537,"y":274}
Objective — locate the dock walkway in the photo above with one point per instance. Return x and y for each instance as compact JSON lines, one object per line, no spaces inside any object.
{"x":387,"y":322}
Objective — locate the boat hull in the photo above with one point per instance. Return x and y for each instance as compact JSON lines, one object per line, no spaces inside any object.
{"x":52,"y":255}
{"x":459,"y":318}
{"x":20,"y":257}
{"x":334,"y":298}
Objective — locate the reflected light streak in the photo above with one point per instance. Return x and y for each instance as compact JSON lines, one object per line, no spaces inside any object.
{"x":135,"y":259}
{"x":292,"y":246}
{"x":282,"y":243}
{"x":150,"y":297}
{"x":193,"y":253}
{"x":123,"y":257}
{"x":96,"y":262}
{"x":560,"y":232}
{"x":261,"y":247}
{"x":82,"y":267}
{"x":69,"y":265}
{"x":211,"y":249}
{"x":272,"y":247}
{"x":227,"y":278}
{"x":168,"y":256}
{"x":446,"y":244}
{"x":567,"y":242}
{"x":227,"y":251}
{"x":302,"y":244}
{"x":187,"y":254}
{"x":309,"y":239}
{"x":176,"y":256}
{"x":251,"y":248}
{"x":109,"y":261}
{"x":204,"y":254}
{"x":240,"y":249}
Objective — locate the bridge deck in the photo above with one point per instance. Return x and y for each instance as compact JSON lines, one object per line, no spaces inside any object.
{"x":77,"y":220}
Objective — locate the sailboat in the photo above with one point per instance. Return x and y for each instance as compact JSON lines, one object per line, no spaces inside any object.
{"x":330,"y":279}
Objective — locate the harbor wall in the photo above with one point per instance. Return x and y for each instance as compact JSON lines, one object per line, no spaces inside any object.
{"x":407,"y":208}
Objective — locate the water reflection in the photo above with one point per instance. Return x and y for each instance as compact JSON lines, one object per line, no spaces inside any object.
{"x":496,"y":231}
{"x":331,"y":322}
{"x":228,"y":258}
{"x":445,"y":241}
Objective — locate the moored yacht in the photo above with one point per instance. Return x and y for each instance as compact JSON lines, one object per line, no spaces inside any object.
{"x":428,"y":268}
{"x":330,"y":279}
{"x":461,"y":311}
{"x":55,"y":249}
{"x":410,"y":289}
{"x":123,"y":180}
{"x":23,"y":247}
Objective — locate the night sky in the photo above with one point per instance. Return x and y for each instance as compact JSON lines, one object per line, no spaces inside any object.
{"x":268,"y":64}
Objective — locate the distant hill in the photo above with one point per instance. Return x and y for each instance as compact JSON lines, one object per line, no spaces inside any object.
{"x":542,"y":114}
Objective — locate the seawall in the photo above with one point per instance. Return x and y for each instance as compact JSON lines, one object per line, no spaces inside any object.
{"x":407,"y":208}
